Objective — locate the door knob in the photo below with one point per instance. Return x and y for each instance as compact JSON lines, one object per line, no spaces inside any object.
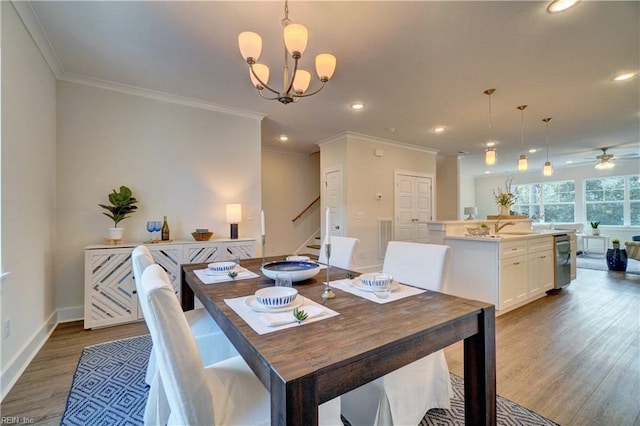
{"x":337,"y":227}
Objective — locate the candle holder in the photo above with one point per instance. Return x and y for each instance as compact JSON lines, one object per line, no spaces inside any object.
{"x":263,"y":240}
{"x":327,"y":293}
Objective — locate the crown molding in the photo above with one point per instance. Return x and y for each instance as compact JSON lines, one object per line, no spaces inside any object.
{"x":32,"y":24}
{"x":158,"y":95}
{"x":348,"y":134}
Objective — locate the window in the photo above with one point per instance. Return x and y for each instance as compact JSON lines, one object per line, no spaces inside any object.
{"x":605,"y":199}
{"x":553,"y":201}
{"x":634,"y":200}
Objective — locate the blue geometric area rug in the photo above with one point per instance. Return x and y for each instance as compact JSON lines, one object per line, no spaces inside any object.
{"x":109,"y":389}
{"x":108,"y":386}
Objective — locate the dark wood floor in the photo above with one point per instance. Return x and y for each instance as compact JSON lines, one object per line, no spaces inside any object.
{"x":573,"y":357}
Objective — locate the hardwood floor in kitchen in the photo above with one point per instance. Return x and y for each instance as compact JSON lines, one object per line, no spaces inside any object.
{"x":573,"y":357}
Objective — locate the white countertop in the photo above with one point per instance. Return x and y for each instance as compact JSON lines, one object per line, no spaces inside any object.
{"x":506,"y":236}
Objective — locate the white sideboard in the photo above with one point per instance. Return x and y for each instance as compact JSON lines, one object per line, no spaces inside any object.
{"x":109,"y":285}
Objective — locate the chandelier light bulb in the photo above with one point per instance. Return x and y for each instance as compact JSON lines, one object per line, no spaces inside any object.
{"x":548,"y":169}
{"x":262,"y":71}
{"x":250,"y":45}
{"x":325,"y":66}
{"x":490,"y":156}
{"x":301,"y":81}
{"x":295,"y":38}
{"x":522,"y":163}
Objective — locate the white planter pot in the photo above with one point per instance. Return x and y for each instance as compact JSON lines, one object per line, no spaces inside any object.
{"x":505,"y":210}
{"x":115,"y":233}
{"x":595,"y":231}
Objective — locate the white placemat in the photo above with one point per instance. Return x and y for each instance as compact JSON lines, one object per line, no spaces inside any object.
{"x":400,"y":292}
{"x":209,"y":278}
{"x":260,"y":321}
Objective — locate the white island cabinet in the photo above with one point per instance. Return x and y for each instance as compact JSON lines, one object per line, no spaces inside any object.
{"x":109,"y":285}
{"x":508,"y":272}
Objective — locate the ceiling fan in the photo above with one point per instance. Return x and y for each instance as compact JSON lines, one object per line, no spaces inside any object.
{"x":605,"y":161}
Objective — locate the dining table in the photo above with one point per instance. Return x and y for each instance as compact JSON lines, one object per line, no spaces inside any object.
{"x":311,"y":363}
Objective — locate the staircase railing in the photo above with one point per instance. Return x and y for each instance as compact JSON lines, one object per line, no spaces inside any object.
{"x":305,"y":209}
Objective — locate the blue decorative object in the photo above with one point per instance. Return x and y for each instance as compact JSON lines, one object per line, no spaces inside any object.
{"x":617,"y":259}
{"x":299,"y":271}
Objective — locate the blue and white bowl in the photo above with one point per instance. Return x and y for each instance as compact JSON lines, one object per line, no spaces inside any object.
{"x":276,"y":297}
{"x":221,"y":266}
{"x":374,"y":280}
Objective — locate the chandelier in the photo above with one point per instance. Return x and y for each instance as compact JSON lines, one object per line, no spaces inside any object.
{"x":296,"y":83}
{"x":490,"y":152}
{"x":547,"y":170}
{"x":522,"y":161}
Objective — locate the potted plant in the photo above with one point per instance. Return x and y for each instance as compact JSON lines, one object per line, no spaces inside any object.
{"x":505,"y":199}
{"x":616,"y":244}
{"x":122,"y":205}
{"x":594,"y":228}
{"x":616,"y":258}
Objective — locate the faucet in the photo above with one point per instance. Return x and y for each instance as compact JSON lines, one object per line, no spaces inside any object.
{"x":497,"y":227}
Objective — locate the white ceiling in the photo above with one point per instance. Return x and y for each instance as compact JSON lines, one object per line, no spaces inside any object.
{"x":414,"y":64}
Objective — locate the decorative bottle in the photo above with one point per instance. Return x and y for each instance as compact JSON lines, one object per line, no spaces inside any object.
{"x":165,"y":230}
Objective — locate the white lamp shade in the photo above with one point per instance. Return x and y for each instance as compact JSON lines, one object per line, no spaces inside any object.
{"x":262,"y":71}
{"x":522,"y":163}
{"x":295,"y":38}
{"x":325,"y":66}
{"x":490,"y":157}
{"x":250,"y":45}
{"x":548,"y":169}
{"x":471,"y":210}
{"x":301,"y":81}
{"x":234,"y":213}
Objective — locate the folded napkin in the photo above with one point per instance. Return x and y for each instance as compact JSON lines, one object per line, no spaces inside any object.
{"x":282,"y":318}
{"x":212,"y":278}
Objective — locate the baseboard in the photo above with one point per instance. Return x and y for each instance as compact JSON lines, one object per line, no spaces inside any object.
{"x":75,"y":313}
{"x":21,"y":361}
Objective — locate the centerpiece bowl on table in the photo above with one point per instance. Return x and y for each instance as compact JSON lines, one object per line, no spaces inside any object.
{"x":299,"y":271}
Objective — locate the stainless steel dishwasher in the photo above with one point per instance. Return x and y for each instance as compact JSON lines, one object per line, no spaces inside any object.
{"x":562,"y":249}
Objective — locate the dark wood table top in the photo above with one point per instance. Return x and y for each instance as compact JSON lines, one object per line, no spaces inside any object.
{"x":316,"y":362}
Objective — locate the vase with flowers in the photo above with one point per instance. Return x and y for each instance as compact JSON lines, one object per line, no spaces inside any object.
{"x":505,"y":198}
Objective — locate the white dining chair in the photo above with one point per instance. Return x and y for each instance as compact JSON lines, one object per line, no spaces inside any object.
{"x":225,"y":393}
{"x":403,"y":396}
{"x":342,"y":252}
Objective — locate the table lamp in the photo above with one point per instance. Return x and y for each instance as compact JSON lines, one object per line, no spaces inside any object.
{"x":234,"y":216}
{"x":471,"y":211}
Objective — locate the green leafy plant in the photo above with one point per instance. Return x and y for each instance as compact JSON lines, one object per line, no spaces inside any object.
{"x":484,"y":225}
{"x":595,"y":224}
{"x":300,"y":315}
{"x":615,"y":241}
{"x":505,"y":198}
{"x":233,"y":275}
{"x":350,"y":275}
{"x":122,"y":205}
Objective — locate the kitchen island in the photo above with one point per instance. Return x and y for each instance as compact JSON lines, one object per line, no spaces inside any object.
{"x":509,"y":268}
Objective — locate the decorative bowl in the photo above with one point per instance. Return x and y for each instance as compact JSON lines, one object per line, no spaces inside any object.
{"x":374,"y":280}
{"x":202,"y":236}
{"x":299,"y":271}
{"x":221,"y":266}
{"x":276,"y":297}
{"x":477,"y":232}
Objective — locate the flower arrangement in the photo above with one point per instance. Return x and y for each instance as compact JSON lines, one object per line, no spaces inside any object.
{"x":505,"y":198}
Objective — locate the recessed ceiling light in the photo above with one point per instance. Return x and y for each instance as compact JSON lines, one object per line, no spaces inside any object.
{"x":487,"y":172}
{"x":624,"y":77}
{"x":439,"y":129}
{"x":560,"y":5}
{"x":490,"y":144}
{"x":283,"y":138}
{"x":357,"y":106}
{"x":569,"y":162}
{"x":533,"y":151}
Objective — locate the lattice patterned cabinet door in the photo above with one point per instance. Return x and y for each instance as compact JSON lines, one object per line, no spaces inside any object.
{"x":170,"y":258}
{"x":244,"y":249}
{"x":203,"y":253}
{"x":110,"y":296}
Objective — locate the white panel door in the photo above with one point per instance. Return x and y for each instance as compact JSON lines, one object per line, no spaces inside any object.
{"x":333,"y":194}
{"x":413,"y":207}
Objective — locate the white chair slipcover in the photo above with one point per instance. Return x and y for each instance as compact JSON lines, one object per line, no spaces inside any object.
{"x":402,"y":397}
{"x":342,"y":252}
{"x":225,"y":393}
{"x":212,"y":343}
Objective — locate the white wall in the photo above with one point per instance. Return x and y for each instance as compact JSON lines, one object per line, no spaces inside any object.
{"x":290,"y":182}
{"x":28,"y":196}
{"x":485,"y":185}
{"x":182,"y":162}
{"x":366,"y":175}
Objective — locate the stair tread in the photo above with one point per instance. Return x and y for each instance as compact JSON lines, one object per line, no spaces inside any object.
{"x":314,"y":246}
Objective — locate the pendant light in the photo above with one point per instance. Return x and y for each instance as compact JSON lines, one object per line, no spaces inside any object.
{"x":490,"y":153}
{"x":548,"y":168}
{"x":522,"y":161}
